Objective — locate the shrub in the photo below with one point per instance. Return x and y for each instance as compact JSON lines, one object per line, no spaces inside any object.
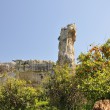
{"x":15,"y":95}
{"x":93,"y":73}
{"x":61,"y":89}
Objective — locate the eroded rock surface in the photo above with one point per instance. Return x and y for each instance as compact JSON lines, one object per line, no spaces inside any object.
{"x":66,"y":45}
{"x":33,"y":65}
{"x":102,"y":105}
{"x":35,"y":70}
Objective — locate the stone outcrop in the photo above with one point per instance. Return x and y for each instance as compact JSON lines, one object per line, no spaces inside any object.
{"x":102,"y":105}
{"x":66,"y":45}
{"x":33,"y":65}
{"x":28,"y":70}
{"x":7,"y":66}
{"x":35,"y":70}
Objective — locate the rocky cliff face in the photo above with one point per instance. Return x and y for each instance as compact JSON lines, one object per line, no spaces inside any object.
{"x":66,"y":45}
{"x":33,"y":65}
{"x":29,"y":70}
{"x":7,"y":67}
{"x":35,"y":70}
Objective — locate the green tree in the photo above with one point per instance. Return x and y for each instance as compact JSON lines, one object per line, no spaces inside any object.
{"x":93,"y":73}
{"x":15,"y":95}
{"x":61,"y":89}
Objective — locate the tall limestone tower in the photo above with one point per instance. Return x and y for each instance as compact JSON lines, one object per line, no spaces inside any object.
{"x":66,"y":46}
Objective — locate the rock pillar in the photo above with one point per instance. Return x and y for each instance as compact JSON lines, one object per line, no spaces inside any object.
{"x":66,"y":46}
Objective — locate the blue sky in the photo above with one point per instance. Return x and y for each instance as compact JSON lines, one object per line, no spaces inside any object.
{"x":29,"y":29}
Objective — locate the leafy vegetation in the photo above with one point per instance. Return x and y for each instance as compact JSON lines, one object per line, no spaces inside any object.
{"x":93,"y":73}
{"x":14,"y":94}
{"x":61,"y":89}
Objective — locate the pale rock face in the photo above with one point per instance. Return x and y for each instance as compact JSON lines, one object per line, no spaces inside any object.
{"x":102,"y":105}
{"x":66,"y":45}
{"x":33,"y":65}
{"x":35,"y":70}
{"x":9,"y":66}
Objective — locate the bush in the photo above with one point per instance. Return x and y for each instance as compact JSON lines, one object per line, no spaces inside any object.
{"x":15,"y":95}
{"x":61,"y":89}
{"x":93,"y":73}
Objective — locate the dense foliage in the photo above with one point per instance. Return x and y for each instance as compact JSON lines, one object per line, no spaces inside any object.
{"x":62,"y":89}
{"x":15,"y":95}
{"x":93,"y":73}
